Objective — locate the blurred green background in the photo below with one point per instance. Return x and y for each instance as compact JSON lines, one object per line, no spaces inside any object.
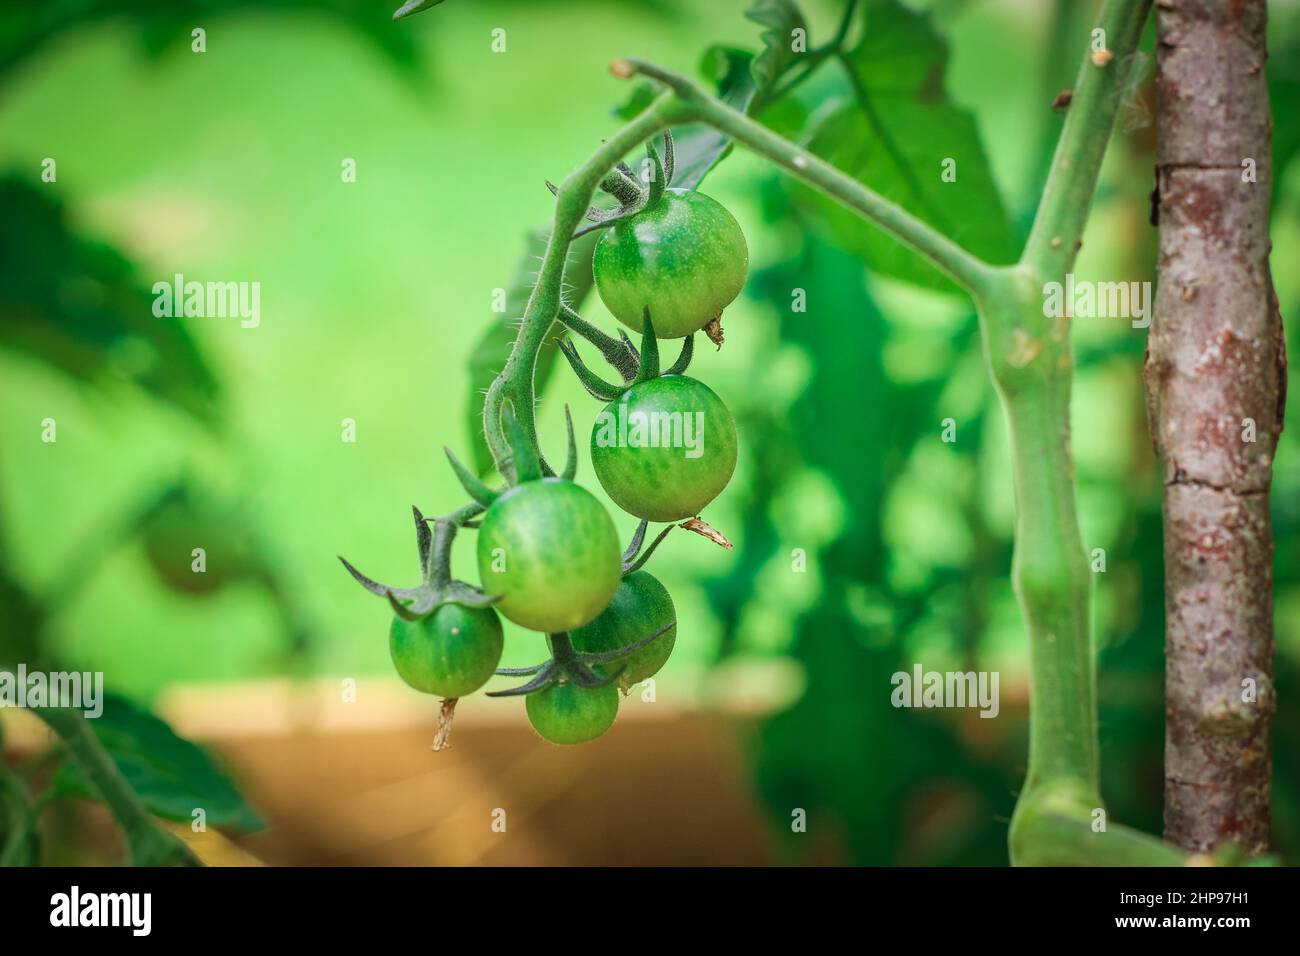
{"x":225,"y":166}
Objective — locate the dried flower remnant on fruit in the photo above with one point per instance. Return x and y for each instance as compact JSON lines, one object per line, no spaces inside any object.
{"x":701,"y":527}
{"x":714,"y":331}
{"x":442,"y":739}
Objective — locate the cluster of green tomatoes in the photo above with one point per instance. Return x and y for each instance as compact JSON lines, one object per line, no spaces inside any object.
{"x":549,"y":558}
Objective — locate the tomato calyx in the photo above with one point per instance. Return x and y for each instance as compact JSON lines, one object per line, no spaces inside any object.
{"x":437,"y":586}
{"x":632,"y":365}
{"x":568,"y":664}
{"x":634,"y":194}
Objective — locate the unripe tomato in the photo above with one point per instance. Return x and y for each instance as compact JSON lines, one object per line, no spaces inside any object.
{"x":176,"y":530}
{"x":450,"y":653}
{"x":665,"y":448}
{"x":568,"y":714}
{"x":640,"y":607}
{"x":684,"y":258}
{"x":551,"y":550}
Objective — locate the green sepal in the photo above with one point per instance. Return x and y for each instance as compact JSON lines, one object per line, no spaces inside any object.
{"x":571,"y":458}
{"x":527,"y":466}
{"x":669,"y":158}
{"x":474,"y":486}
{"x":596,"y":386}
{"x":684,"y":357}
{"x":655,"y":188}
{"x":649,"y":350}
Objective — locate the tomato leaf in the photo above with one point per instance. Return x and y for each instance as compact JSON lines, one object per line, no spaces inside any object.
{"x":173,"y":776}
{"x":699,"y":147}
{"x":782,"y":18}
{"x":887,"y":121}
{"x":78,"y":305}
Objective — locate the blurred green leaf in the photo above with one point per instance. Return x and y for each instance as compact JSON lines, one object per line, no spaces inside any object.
{"x":698,"y":148}
{"x":78,"y":305}
{"x":888,"y":122}
{"x":173,"y":776}
{"x":781,"y":18}
{"x":26,"y":28}
{"x":412,"y":7}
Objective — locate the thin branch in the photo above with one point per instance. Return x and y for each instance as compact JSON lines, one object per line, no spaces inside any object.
{"x":148,"y":843}
{"x":1057,"y":232}
{"x":966,"y":269}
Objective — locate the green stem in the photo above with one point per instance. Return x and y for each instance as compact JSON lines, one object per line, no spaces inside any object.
{"x":515,"y":382}
{"x":1050,"y":838}
{"x":1058,"y":227}
{"x":147,"y":842}
{"x":1029,"y":359}
{"x":966,"y":269}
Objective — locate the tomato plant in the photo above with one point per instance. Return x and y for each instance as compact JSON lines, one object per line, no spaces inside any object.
{"x":674,"y":259}
{"x":684,"y":257}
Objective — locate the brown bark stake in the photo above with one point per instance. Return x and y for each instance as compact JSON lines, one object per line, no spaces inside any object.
{"x":1216,"y":380}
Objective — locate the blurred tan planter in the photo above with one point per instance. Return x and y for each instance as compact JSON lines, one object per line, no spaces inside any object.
{"x":357,"y":783}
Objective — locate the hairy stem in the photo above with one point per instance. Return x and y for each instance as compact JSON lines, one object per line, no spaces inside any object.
{"x":573,"y":196}
{"x":147,"y":843}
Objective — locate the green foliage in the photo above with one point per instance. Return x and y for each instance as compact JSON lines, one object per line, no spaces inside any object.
{"x":166,"y":26}
{"x":781,"y":19}
{"x":171,"y":775}
{"x":77,"y":304}
{"x":886,"y":119}
{"x":862,"y":627}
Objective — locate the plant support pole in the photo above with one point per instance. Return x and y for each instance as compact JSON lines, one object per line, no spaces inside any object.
{"x":1216,"y":380}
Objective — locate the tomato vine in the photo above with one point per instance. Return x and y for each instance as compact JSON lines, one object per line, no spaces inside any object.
{"x":1028,"y":356}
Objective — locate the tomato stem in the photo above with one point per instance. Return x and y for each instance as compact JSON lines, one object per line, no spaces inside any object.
{"x":1029,"y":358}
{"x":147,"y":842}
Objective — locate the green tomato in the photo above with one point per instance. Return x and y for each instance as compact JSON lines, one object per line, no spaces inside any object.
{"x":665,"y":448}
{"x":550,"y":549}
{"x":450,"y":653}
{"x":568,"y":714}
{"x":173,"y":533}
{"x":640,"y":607}
{"x":684,"y":258}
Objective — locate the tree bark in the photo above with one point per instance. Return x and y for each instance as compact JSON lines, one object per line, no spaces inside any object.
{"x":1216,"y":381}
